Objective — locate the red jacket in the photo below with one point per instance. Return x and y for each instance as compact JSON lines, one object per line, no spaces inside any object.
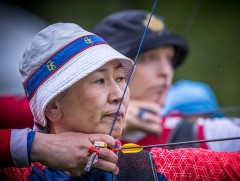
{"x":15,"y":113}
{"x":208,"y":128}
{"x":179,"y":164}
{"x":168,"y":124}
{"x":197,"y":164}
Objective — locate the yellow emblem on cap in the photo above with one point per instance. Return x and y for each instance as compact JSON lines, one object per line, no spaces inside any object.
{"x":51,"y":66}
{"x":155,"y":24}
{"x":88,"y":40}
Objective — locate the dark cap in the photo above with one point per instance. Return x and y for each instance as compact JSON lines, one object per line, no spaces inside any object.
{"x":123,"y":31}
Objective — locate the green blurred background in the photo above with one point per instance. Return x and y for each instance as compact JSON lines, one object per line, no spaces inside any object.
{"x":211,"y":27}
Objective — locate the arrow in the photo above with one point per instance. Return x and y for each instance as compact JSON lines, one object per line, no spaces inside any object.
{"x":135,"y":148}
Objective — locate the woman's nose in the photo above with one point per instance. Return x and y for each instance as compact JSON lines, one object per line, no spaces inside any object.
{"x":164,"y":68}
{"x":115,"y":93}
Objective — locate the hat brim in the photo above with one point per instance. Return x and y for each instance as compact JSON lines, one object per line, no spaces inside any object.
{"x":180,"y":45}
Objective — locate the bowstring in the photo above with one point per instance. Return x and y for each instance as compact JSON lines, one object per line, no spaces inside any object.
{"x":192,"y":17}
{"x":132,"y":69}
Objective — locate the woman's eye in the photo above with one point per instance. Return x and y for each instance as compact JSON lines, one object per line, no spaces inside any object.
{"x":149,"y":59}
{"x":120,"y":79}
{"x":99,"y":81}
{"x":153,"y":58}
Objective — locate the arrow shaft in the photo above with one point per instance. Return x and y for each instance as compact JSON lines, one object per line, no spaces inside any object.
{"x":178,"y":143}
{"x":191,"y":142}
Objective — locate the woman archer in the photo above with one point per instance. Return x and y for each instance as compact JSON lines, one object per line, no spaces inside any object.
{"x":81,"y":93}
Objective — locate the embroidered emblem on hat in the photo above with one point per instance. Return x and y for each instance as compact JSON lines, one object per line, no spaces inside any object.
{"x":51,"y":66}
{"x":88,"y":40}
{"x":156,"y":24}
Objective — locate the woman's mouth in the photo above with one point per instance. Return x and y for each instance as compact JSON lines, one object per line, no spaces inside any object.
{"x":120,"y":115}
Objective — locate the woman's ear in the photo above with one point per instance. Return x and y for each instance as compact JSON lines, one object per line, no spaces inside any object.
{"x":53,"y":112}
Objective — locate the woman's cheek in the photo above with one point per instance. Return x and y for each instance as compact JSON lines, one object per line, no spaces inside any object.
{"x":127,"y":98}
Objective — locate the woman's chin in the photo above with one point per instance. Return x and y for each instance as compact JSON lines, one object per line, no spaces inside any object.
{"x":116,"y":133}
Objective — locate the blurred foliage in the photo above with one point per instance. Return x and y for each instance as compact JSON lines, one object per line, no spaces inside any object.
{"x":213,"y":34}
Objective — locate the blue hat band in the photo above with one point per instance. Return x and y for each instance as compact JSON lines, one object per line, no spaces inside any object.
{"x":57,"y":60}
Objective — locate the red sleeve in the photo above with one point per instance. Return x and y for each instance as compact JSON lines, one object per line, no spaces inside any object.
{"x":19,"y":174}
{"x":15,"y":174}
{"x":200,"y":136}
{"x":163,"y":138}
{"x":5,"y":154}
{"x":15,"y":113}
{"x":197,"y":164}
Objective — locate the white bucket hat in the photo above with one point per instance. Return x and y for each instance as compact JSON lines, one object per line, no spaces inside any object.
{"x":59,"y":56}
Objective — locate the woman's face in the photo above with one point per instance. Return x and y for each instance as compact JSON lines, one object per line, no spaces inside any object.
{"x":90,"y":105}
{"x":153,"y":75}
